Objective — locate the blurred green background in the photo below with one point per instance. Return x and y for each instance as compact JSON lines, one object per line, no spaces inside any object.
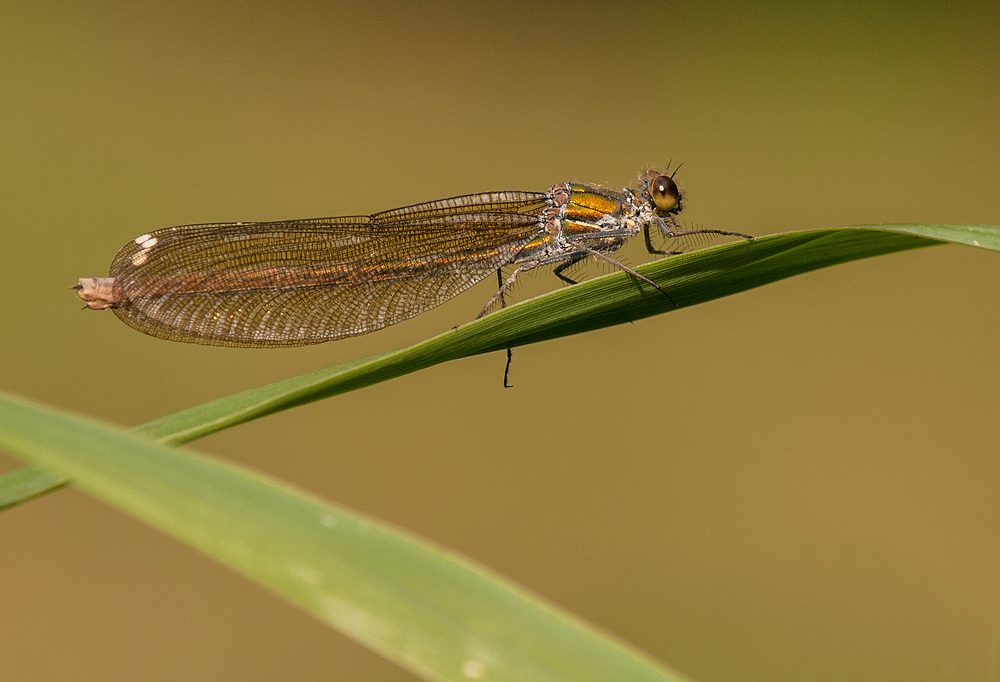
{"x":796,"y":483}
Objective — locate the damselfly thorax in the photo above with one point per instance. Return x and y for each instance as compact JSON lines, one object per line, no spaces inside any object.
{"x":297,"y":282}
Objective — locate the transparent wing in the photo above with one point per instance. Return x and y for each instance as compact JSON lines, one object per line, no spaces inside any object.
{"x":306,"y":281}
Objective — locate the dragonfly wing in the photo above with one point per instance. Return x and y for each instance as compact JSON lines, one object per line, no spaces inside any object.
{"x":308,"y":281}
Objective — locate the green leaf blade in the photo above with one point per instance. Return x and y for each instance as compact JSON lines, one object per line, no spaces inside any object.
{"x":435,"y":613}
{"x":26,"y":484}
{"x":981,"y":236}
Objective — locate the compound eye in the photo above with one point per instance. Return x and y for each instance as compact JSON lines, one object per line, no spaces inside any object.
{"x":665,"y":194}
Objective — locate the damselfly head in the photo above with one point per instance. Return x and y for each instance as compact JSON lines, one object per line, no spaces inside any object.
{"x":661,"y":191}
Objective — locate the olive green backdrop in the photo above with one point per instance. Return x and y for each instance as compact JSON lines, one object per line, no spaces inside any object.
{"x":798,"y":482}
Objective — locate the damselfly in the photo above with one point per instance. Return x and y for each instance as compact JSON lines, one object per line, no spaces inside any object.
{"x":297,"y":282}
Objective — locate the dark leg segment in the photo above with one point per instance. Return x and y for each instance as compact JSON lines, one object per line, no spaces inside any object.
{"x":503,"y":304}
{"x":500,"y":288}
{"x":649,"y":244}
{"x":573,"y":260}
